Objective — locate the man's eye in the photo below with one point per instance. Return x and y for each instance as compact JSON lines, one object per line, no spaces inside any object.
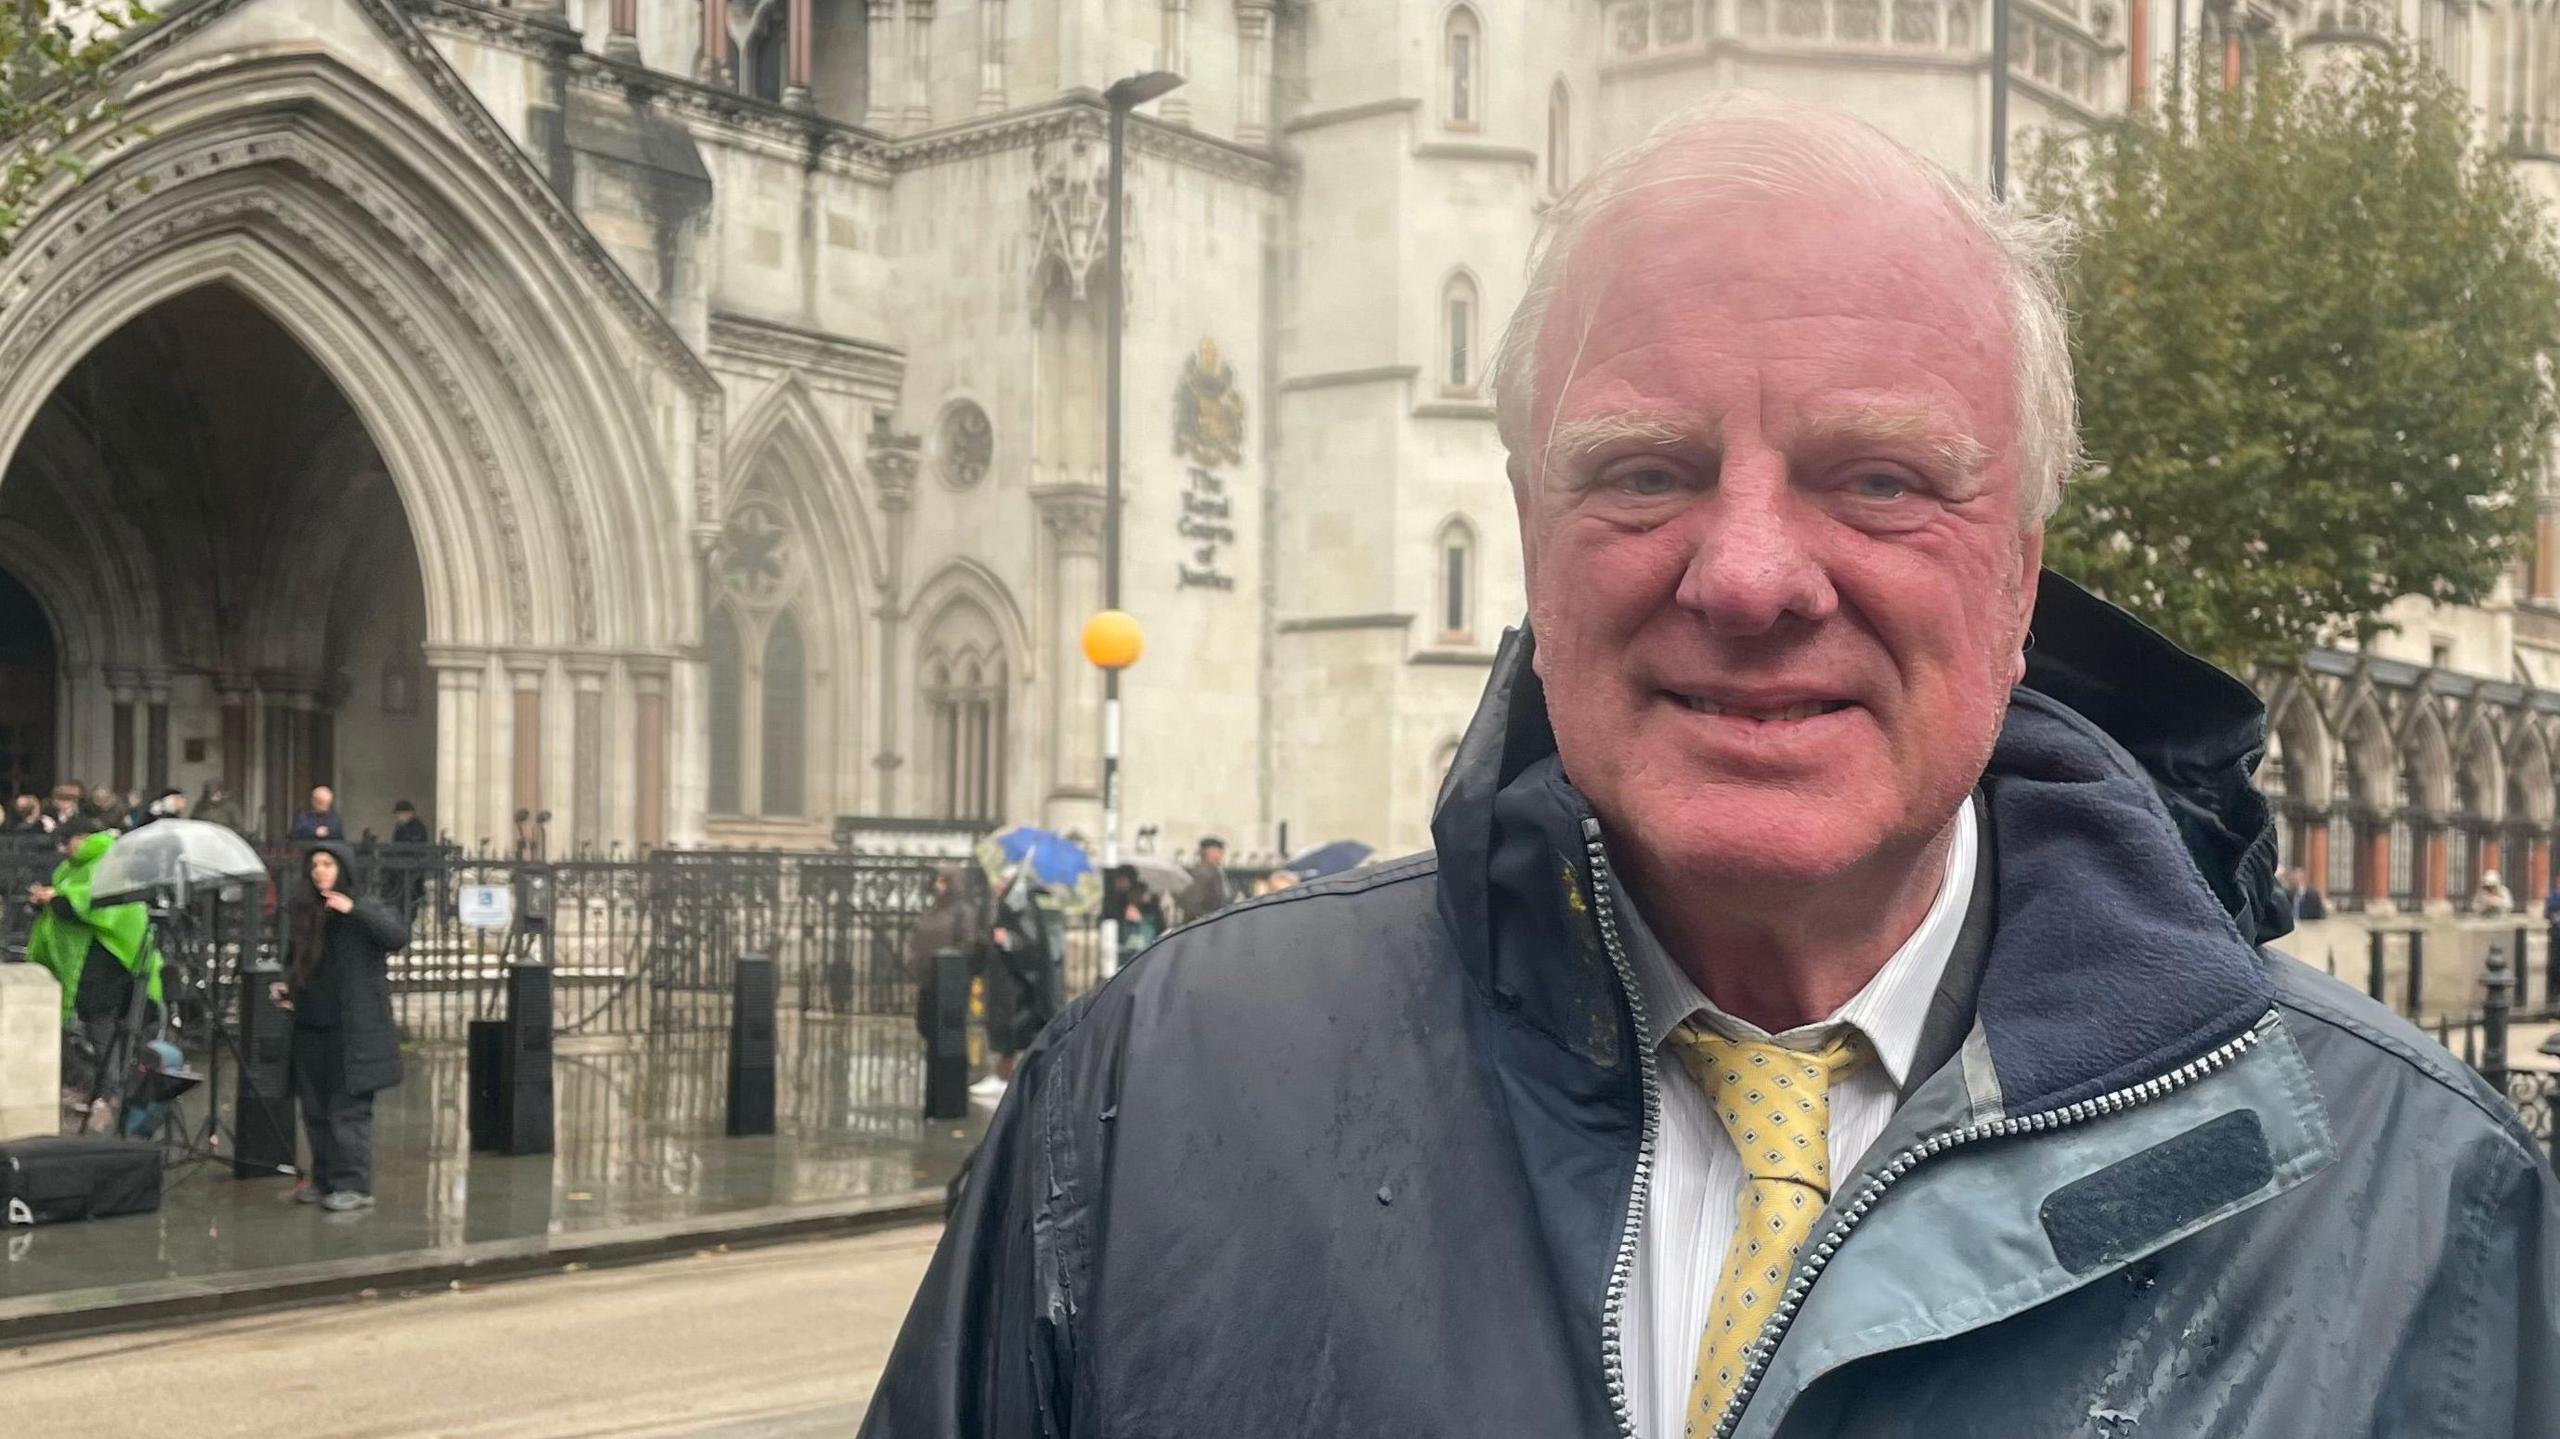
{"x":1878,"y":485}
{"x":1647,"y":484}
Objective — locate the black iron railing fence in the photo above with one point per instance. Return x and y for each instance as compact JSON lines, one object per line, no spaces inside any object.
{"x":639,"y":945}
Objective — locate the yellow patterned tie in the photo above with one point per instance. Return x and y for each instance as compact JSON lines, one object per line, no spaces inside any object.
{"x":1776,"y":1103}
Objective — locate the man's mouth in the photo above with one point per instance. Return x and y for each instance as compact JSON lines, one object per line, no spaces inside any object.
{"x":1781,"y":714}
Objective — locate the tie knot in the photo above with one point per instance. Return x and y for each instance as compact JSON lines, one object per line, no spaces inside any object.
{"x":1773,"y":1101}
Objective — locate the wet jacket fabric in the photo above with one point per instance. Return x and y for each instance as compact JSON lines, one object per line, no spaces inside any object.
{"x":1364,"y":1157}
{"x":348,"y":986}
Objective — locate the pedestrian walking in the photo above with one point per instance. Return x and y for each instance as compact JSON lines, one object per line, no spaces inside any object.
{"x":954,"y":917}
{"x":1024,"y":973}
{"x":1822,"y":1014}
{"x":346,"y":1043}
{"x":2308,"y":902}
{"x":1210,"y":889}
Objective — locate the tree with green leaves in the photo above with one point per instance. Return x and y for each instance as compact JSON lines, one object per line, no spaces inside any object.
{"x":54,"y":96}
{"x":2312,"y":319}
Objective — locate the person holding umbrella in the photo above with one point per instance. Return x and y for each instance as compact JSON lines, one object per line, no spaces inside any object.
{"x":346,"y":1044}
{"x":1025,"y":983}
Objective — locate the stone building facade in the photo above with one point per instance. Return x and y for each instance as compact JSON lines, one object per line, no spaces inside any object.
{"x":685,"y":418}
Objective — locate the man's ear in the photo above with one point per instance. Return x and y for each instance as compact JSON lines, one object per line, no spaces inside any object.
{"x":2031,"y":562}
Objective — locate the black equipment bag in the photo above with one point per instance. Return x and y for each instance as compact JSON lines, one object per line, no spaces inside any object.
{"x":53,"y":1178}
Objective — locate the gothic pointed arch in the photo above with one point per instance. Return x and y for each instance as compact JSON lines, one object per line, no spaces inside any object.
{"x":2529,"y":778}
{"x":541,"y":427}
{"x":2301,"y":764}
{"x":972,"y":653}
{"x":466,"y":340}
{"x":2426,"y":760}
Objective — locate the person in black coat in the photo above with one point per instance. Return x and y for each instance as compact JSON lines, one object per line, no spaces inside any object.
{"x":346,"y":1045}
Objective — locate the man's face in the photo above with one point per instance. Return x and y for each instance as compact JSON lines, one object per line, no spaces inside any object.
{"x":1777,"y":570}
{"x":322,"y":799}
{"x":1213,"y":855}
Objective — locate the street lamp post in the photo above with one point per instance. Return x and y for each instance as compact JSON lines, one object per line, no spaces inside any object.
{"x":1123,"y":97}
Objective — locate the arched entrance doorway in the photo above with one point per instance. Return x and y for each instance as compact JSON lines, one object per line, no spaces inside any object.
{"x":29,"y":663}
{"x":215,"y":506}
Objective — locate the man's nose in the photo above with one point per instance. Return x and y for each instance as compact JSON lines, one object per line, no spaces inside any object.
{"x":1753,"y":563}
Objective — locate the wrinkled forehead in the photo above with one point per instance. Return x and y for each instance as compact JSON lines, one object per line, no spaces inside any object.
{"x":1880,"y":281}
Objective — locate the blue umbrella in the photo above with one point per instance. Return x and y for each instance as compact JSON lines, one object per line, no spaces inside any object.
{"x":1055,"y":859}
{"x":1332,"y":858}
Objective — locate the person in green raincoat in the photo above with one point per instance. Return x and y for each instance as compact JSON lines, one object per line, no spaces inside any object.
{"x":95,"y":951}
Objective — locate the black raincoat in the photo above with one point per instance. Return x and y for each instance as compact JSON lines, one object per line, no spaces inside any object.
{"x":1366,"y":1157}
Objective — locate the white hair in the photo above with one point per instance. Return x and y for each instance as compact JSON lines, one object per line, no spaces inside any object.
{"x":1757,"y":145}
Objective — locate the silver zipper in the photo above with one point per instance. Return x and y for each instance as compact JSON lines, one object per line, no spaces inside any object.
{"x":1817,"y":1256}
{"x":1613,"y":1358}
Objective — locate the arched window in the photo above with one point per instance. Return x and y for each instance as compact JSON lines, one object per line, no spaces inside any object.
{"x":1462,"y":65}
{"x":962,"y":692}
{"x":1456,"y":605}
{"x":1459,"y":315}
{"x":1559,"y":140}
{"x":785,"y":719}
{"x":720,"y":652}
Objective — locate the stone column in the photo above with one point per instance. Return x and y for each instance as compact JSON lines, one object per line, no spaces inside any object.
{"x":587,"y":749}
{"x":919,"y":64}
{"x":1253,"y":71}
{"x":1175,"y":55}
{"x":2431,"y":853}
{"x":2537,"y":874}
{"x":2315,"y":854}
{"x":462,"y":811}
{"x":524,"y":789}
{"x":1073,"y":517}
{"x":797,"y":55}
{"x":155,"y":741}
{"x":2377,"y":868}
{"x":2487,"y":859}
{"x":880,"y":66}
{"x":892,"y":463}
{"x":990,"y":56}
{"x":624,"y":41}
{"x":649,"y":757}
{"x":714,"y":66}
{"x":122,"y":688}
{"x":2546,"y":556}
{"x":236,"y":728}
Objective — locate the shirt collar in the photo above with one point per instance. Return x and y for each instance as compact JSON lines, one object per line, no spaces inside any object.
{"x":1890,"y":1011}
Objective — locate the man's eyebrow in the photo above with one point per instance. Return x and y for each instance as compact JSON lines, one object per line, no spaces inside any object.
{"x":1571,"y":441}
{"x":1958,"y":454}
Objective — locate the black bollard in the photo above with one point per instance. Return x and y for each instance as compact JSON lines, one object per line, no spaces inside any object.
{"x":524,"y":1078}
{"x":2493,"y":1020}
{"x":946,"y":1040}
{"x":2550,"y":967}
{"x":2373,"y":966}
{"x":751,"y":1046}
{"x":2417,"y":972}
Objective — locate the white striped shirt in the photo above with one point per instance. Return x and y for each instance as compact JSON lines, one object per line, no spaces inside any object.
{"x":1697,"y":1177}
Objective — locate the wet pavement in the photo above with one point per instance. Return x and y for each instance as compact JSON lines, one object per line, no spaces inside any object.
{"x":639,"y":1155}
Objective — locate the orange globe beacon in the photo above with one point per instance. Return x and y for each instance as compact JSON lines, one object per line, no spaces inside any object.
{"x":1112,"y":640}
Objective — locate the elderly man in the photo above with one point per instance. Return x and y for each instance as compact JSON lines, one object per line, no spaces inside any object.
{"x":1823,"y":1015}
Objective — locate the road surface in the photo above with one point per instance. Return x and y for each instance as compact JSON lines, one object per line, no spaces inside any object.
{"x":772,"y":1343}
